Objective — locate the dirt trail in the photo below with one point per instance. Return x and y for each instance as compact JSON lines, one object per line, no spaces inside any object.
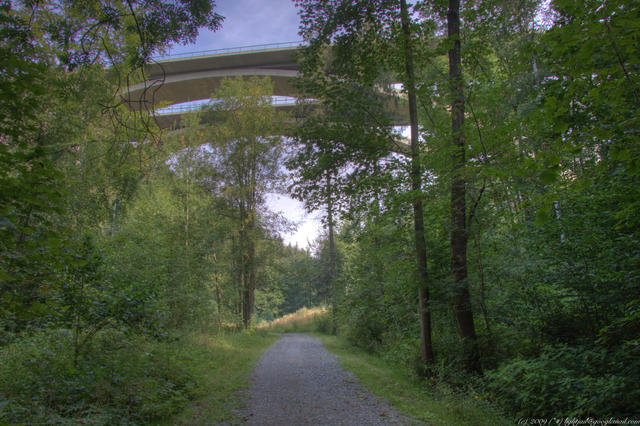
{"x":297,"y":382}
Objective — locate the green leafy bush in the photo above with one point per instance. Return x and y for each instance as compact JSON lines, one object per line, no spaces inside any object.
{"x":120,"y":378}
{"x":323,"y":322}
{"x":364,"y":327}
{"x":571,"y":381}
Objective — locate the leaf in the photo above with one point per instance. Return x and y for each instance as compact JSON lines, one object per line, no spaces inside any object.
{"x":621,"y":154}
{"x":543,"y":215}
{"x":6,"y":223}
{"x":550,"y":175}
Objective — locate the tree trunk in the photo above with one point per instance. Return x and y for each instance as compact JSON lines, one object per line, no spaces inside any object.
{"x":248,"y":268}
{"x":114,"y":216}
{"x":332,"y":256}
{"x":218,"y":295}
{"x":250,"y":283}
{"x":461,"y":299}
{"x":426,"y":350}
{"x":186,"y":222}
{"x":249,"y":227}
{"x":216,"y":277}
{"x":245,"y":298}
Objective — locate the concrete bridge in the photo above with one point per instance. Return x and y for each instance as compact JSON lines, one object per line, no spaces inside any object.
{"x":190,"y":77}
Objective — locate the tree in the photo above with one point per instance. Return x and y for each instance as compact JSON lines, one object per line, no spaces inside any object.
{"x":461,"y":298}
{"x":246,"y":152}
{"x":78,"y":33}
{"x":409,"y":83}
{"x":55,"y":92}
{"x":367,"y":51}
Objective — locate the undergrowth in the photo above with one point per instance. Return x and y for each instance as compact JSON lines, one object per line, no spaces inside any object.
{"x":121,"y":378}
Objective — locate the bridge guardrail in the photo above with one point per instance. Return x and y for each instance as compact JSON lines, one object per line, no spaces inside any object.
{"x":255,"y":47}
{"x":177,"y":109}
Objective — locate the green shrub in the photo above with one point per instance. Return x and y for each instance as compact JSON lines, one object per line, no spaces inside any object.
{"x":363,"y":327}
{"x":120,"y":378}
{"x":322,"y":322}
{"x":571,"y":381}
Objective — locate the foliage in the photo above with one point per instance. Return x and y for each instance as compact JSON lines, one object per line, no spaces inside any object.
{"x":124,"y":378}
{"x":75,"y":34}
{"x":121,"y":378}
{"x":578,"y":381}
{"x":60,"y":119}
{"x":550,"y":134}
{"x":378,"y":285}
{"x":292,"y":280}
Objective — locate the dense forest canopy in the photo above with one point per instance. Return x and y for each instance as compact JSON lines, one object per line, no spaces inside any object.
{"x":497,"y":250}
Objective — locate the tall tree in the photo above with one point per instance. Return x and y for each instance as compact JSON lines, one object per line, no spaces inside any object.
{"x":54,"y":94}
{"x":459,"y":238}
{"x":369,"y":44}
{"x":246,"y":152}
{"x":426,"y":351}
{"x":331,"y":273}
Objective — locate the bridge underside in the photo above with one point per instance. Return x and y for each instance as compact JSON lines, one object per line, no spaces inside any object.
{"x":189,"y":79}
{"x":182,"y":80}
{"x":175,"y":120}
{"x":201,"y":85}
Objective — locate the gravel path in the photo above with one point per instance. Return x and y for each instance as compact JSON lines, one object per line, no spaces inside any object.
{"x":297,"y":382}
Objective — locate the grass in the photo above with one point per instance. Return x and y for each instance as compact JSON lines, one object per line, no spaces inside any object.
{"x":433,"y":403}
{"x":126,"y":378}
{"x":303,"y":320}
{"x":222,"y":364}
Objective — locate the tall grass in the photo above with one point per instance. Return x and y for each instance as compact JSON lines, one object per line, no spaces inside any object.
{"x":304,"y":320}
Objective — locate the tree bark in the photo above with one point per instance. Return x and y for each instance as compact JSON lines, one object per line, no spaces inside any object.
{"x":250,"y":283}
{"x":186,"y":220}
{"x":461,"y":299}
{"x":249,"y":233}
{"x":332,"y":256}
{"x":245,"y":284}
{"x":424,"y":310}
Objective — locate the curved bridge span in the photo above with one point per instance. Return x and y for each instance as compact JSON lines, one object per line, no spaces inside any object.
{"x":195,"y":76}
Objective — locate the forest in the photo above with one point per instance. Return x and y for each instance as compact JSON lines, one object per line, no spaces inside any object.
{"x":486,"y":243}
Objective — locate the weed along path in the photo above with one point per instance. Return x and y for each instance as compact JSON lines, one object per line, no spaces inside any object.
{"x":297,"y":382}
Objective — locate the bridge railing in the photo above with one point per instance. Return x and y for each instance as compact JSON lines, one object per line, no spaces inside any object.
{"x":255,"y":47}
{"x":194,"y":106}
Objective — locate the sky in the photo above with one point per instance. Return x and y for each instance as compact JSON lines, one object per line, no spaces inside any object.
{"x":256,"y":22}
{"x":249,"y":22}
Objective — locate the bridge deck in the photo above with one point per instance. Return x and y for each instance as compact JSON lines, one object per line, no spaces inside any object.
{"x":193,"y":77}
